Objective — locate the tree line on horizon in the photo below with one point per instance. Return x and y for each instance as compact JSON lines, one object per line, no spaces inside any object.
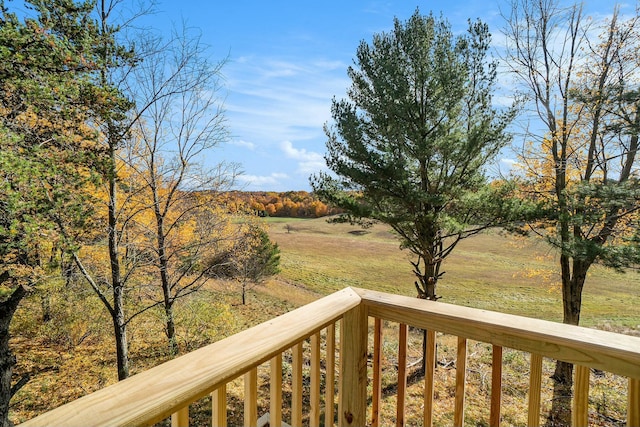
{"x":290,"y":204}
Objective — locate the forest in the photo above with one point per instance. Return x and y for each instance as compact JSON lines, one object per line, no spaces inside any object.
{"x":289,"y":204}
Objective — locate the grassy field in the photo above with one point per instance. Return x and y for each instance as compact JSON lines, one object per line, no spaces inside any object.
{"x":73,"y":354}
{"x":491,"y":271}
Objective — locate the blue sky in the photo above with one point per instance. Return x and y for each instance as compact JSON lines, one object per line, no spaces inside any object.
{"x":287,"y":60}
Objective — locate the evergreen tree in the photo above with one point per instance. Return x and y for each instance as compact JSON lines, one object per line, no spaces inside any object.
{"x":251,"y":259}
{"x":46,"y":146}
{"x":410,"y":146}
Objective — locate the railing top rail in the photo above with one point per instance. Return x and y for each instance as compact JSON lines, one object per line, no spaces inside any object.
{"x":604,"y":350}
{"x":153,"y":395}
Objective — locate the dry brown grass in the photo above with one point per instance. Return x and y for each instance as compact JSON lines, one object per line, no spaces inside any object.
{"x":492,"y":271}
{"x":74,"y":356}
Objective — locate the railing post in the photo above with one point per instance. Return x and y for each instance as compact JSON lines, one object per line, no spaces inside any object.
{"x":429,"y":377}
{"x":353,"y":375}
{"x":251,"y":398}
{"x":330,"y":388}
{"x":496,"y":386}
{"x":275,"y":391}
{"x":219,"y":407}
{"x":402,"y":374}
{"x":633,"y":407}
{"x":535,"y":385}
{"x":296,"y":385}
{"x":580,"y":412}
{"x":461,"y":379}
{"x":314,"y":411}
{"x":180,"y":418}
{"x":376,"y":393}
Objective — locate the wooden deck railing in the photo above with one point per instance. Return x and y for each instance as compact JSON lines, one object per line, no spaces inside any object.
{"x":169,"y":389}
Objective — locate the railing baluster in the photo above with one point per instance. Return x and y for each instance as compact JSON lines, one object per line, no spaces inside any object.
{"x":633,"y":406}
{"x":340,"y":369}
{"x":461,"y":378}
{"x":275,"y":391}
{"x":251,"y":398}
{"x":402,"y":374}
{"x":580,"y":413}
{"x":296,"y":386}
{"x":180,"y":418}
{"x":314,"y":411}
{"x":330,"y":376}
{"x":377,"y":373}
{"x":219,"y":407}
{"x":430,"y":366}
{"x":496,"y":386}
{"x":353,"y":373}
{"x":535,"y":385}
{"x":143,"y":400}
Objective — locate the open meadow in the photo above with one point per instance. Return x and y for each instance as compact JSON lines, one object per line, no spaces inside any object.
{"x":492,"y":271}
{"x":72,"y":354}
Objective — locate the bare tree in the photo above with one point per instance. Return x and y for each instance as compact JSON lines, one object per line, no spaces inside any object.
{"x":117,"y":125}
{"x":177,"y":132}
{"x":581,"y":165}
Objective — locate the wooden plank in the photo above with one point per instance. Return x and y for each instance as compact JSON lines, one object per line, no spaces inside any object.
{"x":376,"y":394}
{"x":430,"y":366}
{"x":496,"y":386}
{"x":353,"y":374}
{"x":616,"y":353}
{"x":180,"y":418}
{"x":580,"y":412}
{"x":535,"y":387}
{"x":275,"y":391}
{"x":461,"y":378}
{"x":155,"y":394}
{"x":251,"y":398}
{"x":340,"y":368}
{"x":330,"y":376}
{"x":314,"y":395}
{"x":633,"y":406}
{"x":219,"y":407}
{"x":402,"y":374}
{"x":296,"y":386}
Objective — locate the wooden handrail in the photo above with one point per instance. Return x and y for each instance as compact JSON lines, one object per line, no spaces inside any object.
{"x":608,"y":351}
{"x":155,"y":394}
{"x":168,"y":389}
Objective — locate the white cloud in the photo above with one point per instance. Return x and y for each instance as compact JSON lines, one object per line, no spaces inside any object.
{"x":506,"y":166}
{"x":273,"y":99}
{"x":255,"y":181}
{"x":308,"y":161}
{"x":243,"y":144}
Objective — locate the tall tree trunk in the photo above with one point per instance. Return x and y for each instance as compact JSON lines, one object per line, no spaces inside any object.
{"x":118,"y":317}
{"x":120,"y":334}
{"x":427,"y":290}
{"x":170,"y":329}
{"x":7,"y":358}
{"x":560,"y":413}
{"x":165,"y":280}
